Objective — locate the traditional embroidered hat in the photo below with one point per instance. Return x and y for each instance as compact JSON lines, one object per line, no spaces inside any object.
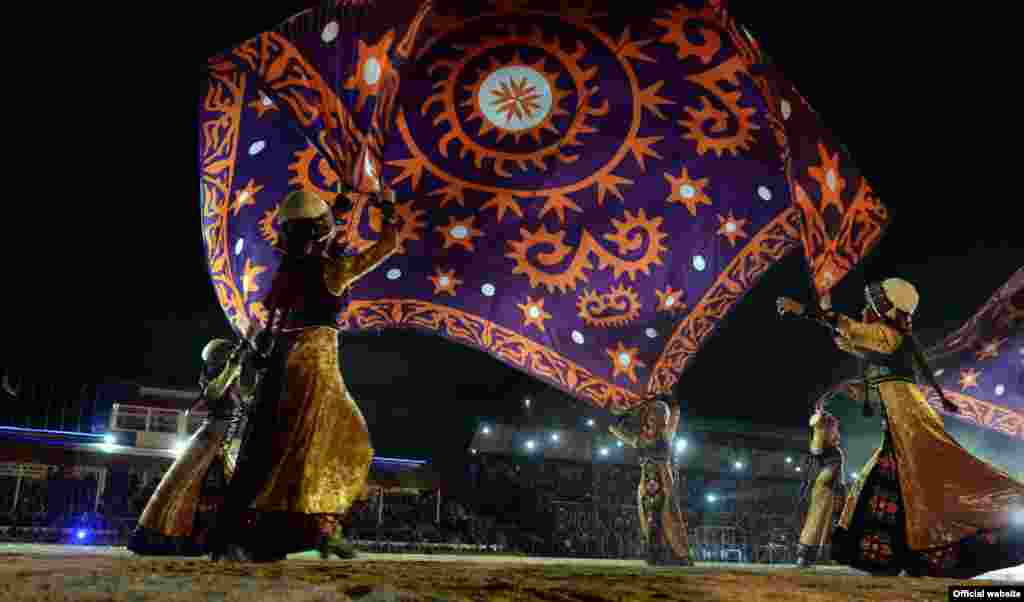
{"x":890,"y":295}
{"x":308,"y":205}
{"x":301,"y":205}
{"x":215,"y":349}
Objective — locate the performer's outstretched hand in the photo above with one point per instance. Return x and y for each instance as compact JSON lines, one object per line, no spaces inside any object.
{"x":785,"y":305}
{"x":387,"y":206}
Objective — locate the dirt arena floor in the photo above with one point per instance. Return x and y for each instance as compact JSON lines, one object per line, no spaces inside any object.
{"x":67,"y":572}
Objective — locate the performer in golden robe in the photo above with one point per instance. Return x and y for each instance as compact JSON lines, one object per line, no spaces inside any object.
{"x":922,"y":504}
{"x":824,"y":479}
{"x":308,"y":453}
{"x":182,"y":510}
{"x":662,"y":525}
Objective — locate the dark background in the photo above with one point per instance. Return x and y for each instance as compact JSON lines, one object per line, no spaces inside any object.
{"x":110,"y":282}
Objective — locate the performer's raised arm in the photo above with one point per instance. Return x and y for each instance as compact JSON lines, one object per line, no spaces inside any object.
{"x":223,"y":362}
{"x":342,"y":272}
{"x":853,"y":335}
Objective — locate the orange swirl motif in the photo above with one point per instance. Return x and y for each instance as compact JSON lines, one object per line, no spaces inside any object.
{"x":674,"y":25}
{"x":634,"y":232}
{"x":302,"y":168}
{"x":720,"y":125}
{"x":618,"y":307}
{"x":709,"y":125}
{"x":224,"y":100}
{"x":557,"y":199}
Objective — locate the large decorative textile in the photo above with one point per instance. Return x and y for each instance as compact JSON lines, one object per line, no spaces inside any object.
{"x":585,"y":190}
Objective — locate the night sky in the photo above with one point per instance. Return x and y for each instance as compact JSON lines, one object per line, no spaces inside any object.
{"x":121,"y":289}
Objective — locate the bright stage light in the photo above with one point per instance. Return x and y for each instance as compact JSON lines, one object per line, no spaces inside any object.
{"x":789,"y":460}
{"x":712,"y":498}
{"x":604,"y":451}
{"x":738,"y":465}
{"x":680,"y":445}
{"x":472,"y":451}
{"x":618,"y":443}
{"x":526,"y":402}
{"x":554,"y":436}
{"x":109,"y":439}
{"x":854,"y":475}
{"x":531,"y":444}
{"x":81,"y":534}
{"x":590,"y":422}
{"x":486,"y":430}
{"x":798,"y":469}
{"x":180,"y":447}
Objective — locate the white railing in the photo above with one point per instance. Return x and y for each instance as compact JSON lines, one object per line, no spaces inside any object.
{"x":27,"y":470}
{"x":143,"y":419}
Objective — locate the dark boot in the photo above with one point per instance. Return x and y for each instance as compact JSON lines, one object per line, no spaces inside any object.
{"x":652,"y":553}
{"x":338,"y":546}
{"x":658,"y":553}
{"x":806,"y":555}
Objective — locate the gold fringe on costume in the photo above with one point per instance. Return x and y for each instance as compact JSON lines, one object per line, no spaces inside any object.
{"x":322,"y":446}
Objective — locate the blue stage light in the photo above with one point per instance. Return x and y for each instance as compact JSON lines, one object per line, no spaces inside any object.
{"x":398,"y":460}
{"x":49,"y":432}
{"x":81,"y":534}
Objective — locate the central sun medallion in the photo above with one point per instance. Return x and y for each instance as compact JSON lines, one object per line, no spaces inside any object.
{"x":515,"y":98}
{"x":522,"y":111}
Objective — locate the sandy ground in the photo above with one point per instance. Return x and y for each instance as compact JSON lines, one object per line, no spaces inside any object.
{"x":54,"y":572}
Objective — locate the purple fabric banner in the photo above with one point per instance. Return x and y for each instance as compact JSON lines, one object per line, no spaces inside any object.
{"x":981,"y":365}
{"x":582,"y":195}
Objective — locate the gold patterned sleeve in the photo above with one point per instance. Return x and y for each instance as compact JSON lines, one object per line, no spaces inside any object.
{"x":622,"y":433}
{"x":875,"y":337}
{"x":341,"y":273}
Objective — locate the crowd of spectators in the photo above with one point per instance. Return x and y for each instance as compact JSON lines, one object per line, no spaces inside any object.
{"x":557,"y":508}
